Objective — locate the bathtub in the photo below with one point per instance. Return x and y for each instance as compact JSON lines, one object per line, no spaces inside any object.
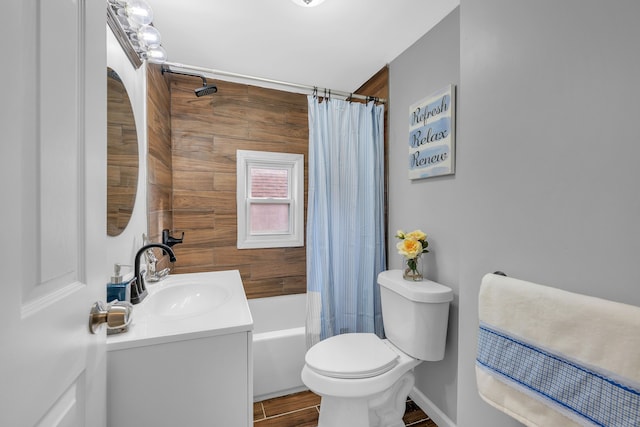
{"x":278,"y":345}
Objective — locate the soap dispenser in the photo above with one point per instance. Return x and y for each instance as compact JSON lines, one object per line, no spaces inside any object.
{"x":117,"y":288}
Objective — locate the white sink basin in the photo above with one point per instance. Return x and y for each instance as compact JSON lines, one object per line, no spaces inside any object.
{"x":187,"y":299}
{"x":187,"y":306}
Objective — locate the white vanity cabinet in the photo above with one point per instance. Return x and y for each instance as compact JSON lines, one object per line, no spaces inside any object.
{"x":183,"y":370}
{"x":196,"y":382}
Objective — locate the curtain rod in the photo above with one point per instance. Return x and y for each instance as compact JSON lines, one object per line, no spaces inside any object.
{"x":314,"y":89}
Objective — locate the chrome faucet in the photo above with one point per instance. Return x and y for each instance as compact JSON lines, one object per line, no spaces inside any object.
{"x":138,"y":288}
{"x":152,"y":274}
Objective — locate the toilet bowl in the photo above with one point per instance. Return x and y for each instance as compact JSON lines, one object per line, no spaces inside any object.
{"x":364,"y":380}
{"x":372,"y":393}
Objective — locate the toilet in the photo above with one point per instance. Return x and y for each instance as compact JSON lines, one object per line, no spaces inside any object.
{"x":363,"y":380}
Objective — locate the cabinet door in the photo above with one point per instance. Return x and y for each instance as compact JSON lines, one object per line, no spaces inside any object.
{"x":198,"y":382}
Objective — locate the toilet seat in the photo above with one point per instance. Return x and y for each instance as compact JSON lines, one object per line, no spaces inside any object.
{"x":351,"y":356}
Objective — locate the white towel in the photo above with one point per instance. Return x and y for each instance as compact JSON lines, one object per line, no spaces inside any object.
{"x":549,"y":358}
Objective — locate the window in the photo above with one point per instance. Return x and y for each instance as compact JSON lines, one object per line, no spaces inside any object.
{"x":270,"y":199}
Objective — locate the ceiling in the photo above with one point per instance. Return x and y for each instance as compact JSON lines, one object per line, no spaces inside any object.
{"x":338,"y":44}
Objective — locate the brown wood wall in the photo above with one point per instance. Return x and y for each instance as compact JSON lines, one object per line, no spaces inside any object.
{"x":159,"y":162}
{"x":205,"y":134}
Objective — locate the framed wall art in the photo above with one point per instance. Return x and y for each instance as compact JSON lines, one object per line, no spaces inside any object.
{"x":432,"y":135}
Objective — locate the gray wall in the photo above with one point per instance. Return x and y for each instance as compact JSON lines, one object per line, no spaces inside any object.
{"x":547,"y":185}
{"x":430,"y":64}
{"x":548,"y":174}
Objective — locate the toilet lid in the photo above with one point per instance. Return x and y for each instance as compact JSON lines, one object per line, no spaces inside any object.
{"x":360,"y":355}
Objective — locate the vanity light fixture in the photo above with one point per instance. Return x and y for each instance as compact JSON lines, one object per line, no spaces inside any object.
{"x":135,"y":18}
{"x":138,"y":12}
{"x":307,"y":3}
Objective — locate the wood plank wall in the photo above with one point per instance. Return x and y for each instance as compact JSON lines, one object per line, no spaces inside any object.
{"x":159,"y":162}
{"x":205,"y":134}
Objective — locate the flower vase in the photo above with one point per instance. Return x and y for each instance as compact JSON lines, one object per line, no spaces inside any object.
{"x":412,"y":269}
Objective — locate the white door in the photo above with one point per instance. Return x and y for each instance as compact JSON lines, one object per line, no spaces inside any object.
{"x":52,"y":204}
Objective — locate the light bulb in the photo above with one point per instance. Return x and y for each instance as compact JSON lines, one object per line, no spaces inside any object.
{"x":139,"y":12}
{"x":149,"y":36}
{"x":155,"y":54}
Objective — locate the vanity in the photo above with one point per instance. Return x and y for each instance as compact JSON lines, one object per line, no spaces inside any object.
{"x":186,"y":358}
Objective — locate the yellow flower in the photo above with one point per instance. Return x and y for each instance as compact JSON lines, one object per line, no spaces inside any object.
{"x":416,"y":235}
{"x":412,"y":244}
{"x":409,"y":248}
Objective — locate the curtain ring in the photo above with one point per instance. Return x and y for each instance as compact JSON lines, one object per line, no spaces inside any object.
{"x":329,"y":94}
{"x":315,"y":92}
{"x":350,"y":97}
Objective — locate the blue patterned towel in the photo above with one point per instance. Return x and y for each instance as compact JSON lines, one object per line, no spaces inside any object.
{"x":552,"y":358}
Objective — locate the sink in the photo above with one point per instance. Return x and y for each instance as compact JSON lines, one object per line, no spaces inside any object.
{"x":186,"y":299}
{"x":187,"y":306}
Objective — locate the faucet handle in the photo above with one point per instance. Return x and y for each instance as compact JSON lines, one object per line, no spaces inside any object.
{"x":138,"y":290}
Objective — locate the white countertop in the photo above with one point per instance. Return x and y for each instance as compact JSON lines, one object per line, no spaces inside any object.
{"x":226,"y":316}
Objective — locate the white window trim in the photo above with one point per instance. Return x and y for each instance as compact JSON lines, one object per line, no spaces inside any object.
{"x":295,"y":163}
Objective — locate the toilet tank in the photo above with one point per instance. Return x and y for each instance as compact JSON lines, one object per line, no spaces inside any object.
{"x":415,"y":314}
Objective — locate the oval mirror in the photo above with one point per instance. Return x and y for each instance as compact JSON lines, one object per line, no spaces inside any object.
{"x":122,"y":156}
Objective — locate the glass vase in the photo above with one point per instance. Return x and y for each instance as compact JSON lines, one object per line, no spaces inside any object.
{"x":412,"y":269}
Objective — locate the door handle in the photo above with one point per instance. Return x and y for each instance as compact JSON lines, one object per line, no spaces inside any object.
{"x":117,"y":315}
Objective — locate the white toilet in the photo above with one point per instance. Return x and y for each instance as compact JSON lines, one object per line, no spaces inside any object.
{"x":363,"y":380}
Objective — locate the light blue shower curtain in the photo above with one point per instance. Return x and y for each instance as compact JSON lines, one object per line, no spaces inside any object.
{"x":345,"y":218}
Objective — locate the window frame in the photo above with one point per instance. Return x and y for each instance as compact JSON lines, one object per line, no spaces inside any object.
{"x":294,"y":163}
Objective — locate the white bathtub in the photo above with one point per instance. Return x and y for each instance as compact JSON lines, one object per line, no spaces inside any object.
{"x":278,"y":345}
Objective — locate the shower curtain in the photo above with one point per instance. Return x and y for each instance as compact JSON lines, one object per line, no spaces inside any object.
{"x":345,"y":218}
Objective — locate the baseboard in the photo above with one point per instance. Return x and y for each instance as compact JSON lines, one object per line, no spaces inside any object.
{"x":279,"y":393}
{"x":430,"y":409}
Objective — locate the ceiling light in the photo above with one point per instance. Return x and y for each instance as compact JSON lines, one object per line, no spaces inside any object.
{"x":307,"y":3}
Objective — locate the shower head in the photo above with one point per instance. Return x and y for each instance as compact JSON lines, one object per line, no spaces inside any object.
{"x":206,"y":89}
